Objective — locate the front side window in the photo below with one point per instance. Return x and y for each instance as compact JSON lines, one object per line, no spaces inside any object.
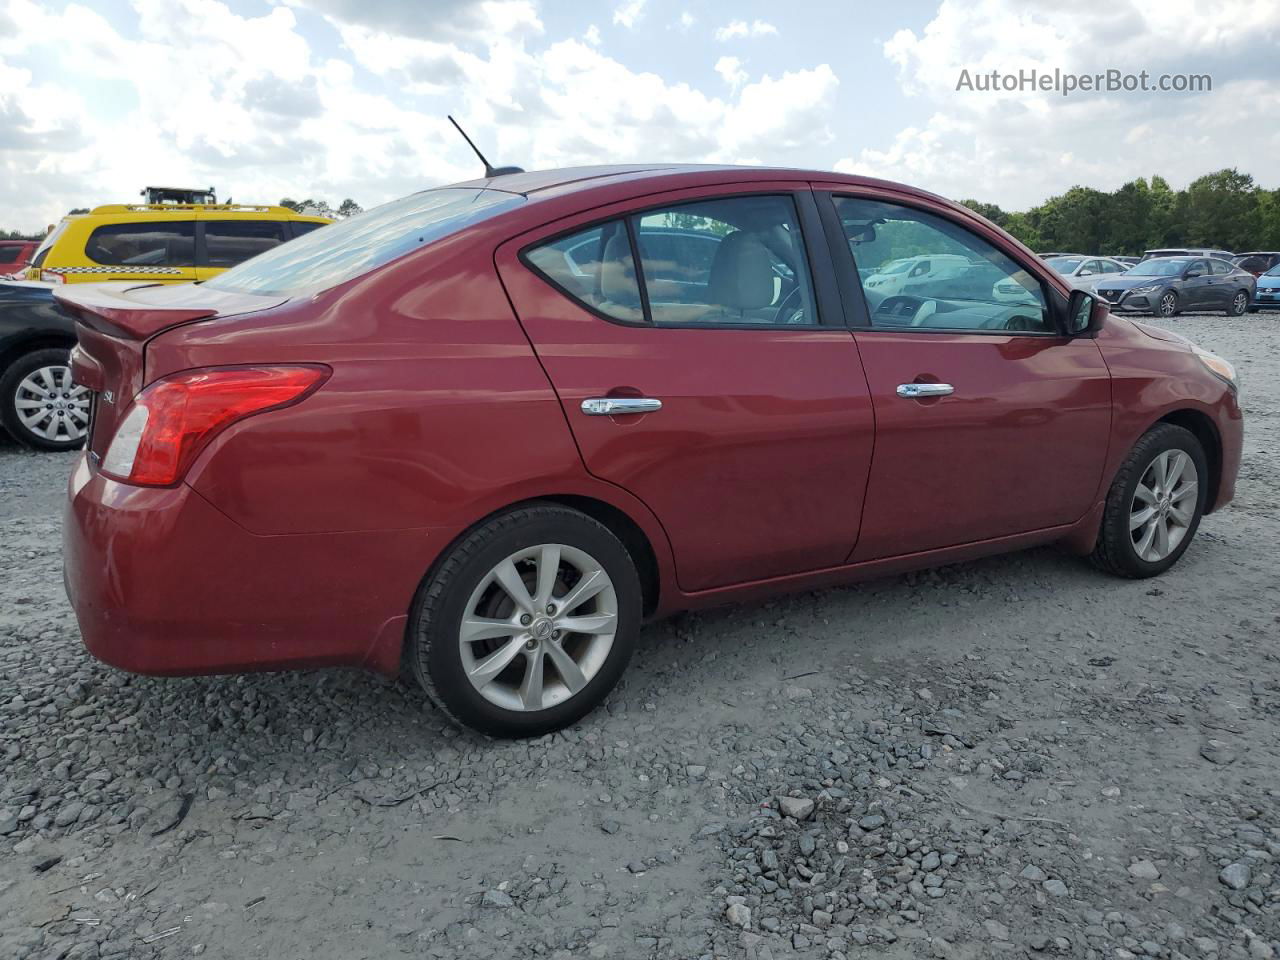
{"x":228,"y":242}
{"x":968,"y":284}
{"x":352,"y":247}
{"x":155,"y":244}
{"x":594,"y":267}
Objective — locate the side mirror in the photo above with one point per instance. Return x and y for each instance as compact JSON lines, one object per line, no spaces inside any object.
{"x":1192,"y":274}
{"x":1085,"y":314}
{"x":1085,"y":273}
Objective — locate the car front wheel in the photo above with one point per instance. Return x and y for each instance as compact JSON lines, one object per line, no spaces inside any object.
{"x":1154,"y":505}
{"x":40,"y":406}
{"x":527,"y":623}
{"x":1167,"y":306}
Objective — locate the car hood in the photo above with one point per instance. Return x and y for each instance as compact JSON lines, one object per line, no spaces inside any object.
{"x":1269,"y":280}
{"x":1152,"y":331}
{"x":1125,"y":281}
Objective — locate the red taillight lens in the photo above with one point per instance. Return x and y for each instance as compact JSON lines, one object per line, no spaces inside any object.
{"x":173,"y":419}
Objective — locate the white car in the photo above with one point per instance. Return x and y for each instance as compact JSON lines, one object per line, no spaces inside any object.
{"x":1083,"y":271}
{"x":896,"y":277}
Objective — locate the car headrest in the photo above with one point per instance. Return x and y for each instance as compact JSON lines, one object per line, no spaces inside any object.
{"x":741,"y":273}
{"x":618,"y":273}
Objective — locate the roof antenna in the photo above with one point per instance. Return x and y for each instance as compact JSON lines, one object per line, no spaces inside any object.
{"x":489,"y":171}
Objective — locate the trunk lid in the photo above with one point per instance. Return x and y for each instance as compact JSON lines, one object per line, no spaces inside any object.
{"x":114,"y":323}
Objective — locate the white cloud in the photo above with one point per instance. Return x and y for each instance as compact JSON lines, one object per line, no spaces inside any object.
{"x":1018,"y":148}
{"x":738,"y":29}
{"x":730,"y":68}
{"x":592,"y":36}
{"x":626,"y":14}
{"x":687,"y":20}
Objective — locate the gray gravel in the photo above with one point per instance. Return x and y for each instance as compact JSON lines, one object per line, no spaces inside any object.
{"x":1015,"y":756}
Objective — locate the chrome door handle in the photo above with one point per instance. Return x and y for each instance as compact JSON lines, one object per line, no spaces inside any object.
{"x":914,"y":391}
{"x":619,"y":406}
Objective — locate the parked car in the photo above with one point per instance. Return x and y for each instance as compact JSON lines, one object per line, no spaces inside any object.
{"x":425,"y":438}
{"x":1258,"y":262}
{"x":905,"y":273}
{"x":1268,"y":295}
{"x":1169,"y":285}
{"x":1083,"y":272}
{"x":39,"y":405}
{"x":15,"y":255}
{"x":162,"y":242}
{"x":1127,"y":261}
{"x":1184,"y":252}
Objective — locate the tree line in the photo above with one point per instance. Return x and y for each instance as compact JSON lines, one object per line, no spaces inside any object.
{"x":1225,"y":209}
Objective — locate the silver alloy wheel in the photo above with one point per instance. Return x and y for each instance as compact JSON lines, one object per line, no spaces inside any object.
{"x":1167,"y":304}
{"x":1164,"y":505}
{"x":550,"y":602}
{"x":51,"y":406}
{"x":1240,"y":304}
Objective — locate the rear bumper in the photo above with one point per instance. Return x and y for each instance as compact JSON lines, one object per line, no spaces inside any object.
{"x":164,"y":583}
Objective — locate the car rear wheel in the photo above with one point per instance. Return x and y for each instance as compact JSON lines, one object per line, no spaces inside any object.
{"x":1239,"y":304}
{"x":1154,"y":506}
{"x":40,"y":406}
{"x":1167,"y":305}
{"x":527,"y":623}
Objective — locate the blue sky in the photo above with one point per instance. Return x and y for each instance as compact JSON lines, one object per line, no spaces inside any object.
{"x":337,"y":98}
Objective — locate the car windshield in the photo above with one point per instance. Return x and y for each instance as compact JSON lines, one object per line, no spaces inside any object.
{"x":325,"y":258}
{"x":896,"y":267}
{"x":1064,"y":264}
{"x":1160,"y":267}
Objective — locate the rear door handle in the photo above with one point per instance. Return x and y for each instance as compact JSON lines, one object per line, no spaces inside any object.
{"x":914,"y":391}
{"x":619,"y":406}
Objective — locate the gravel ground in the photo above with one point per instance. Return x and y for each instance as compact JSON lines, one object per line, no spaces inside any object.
{"x":1015,"y":756}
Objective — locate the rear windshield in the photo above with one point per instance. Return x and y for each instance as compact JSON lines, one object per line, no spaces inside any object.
{"x":42,"y":251}
{"x":349,"y":248}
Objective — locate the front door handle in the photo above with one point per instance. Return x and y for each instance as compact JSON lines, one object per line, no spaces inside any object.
{"x":619,"y":406}
{"x":916,"y":391}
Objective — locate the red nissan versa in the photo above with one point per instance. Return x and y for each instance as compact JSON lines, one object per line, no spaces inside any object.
{"x":484,"y":431}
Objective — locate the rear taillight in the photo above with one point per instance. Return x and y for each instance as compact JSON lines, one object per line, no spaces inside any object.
{"x":173,"y":419}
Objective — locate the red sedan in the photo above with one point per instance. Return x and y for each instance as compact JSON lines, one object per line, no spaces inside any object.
{"x":484,"y":431}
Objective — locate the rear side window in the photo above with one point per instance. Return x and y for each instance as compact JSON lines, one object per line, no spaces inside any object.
{"x":594,"y":267}
{"x":9,"y":254}
{"x":305,"y":226}
{"x":165,"y":244}
{"x":1220,"y":267}
{"x":228,"y":242}
{"x":352,"y":247}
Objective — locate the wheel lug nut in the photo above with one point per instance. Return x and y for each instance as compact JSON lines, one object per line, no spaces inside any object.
{"x":556,"y":634}
{"x":530,"y":644}
{"x":551,"y":608}
{"x":526,"y":620}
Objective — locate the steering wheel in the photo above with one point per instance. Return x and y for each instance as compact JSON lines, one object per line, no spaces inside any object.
{"x":797,"y":313}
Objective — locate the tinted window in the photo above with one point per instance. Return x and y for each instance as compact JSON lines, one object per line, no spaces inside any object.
{"x":9,"y":254}
{"x":167,"y":244}
{"x":970,"y":285}
{"x":737,"y":260}
{"x":305,"y":226}
{"x":594,"y":266}
{"x":351,"y":247}
{"x":228,"y":242}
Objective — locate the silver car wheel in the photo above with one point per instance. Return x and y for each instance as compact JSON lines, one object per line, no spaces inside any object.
{"x":1240,"y":304}
{"x":51,"y":406}
{"x":1164,"y":505}
{"x":538,"y":627}
{"x":1167,"y":305}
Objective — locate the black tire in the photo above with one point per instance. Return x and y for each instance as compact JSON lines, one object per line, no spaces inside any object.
{"x":432,"y":649}
{"x":1167,"y":306}
{"x":1239,"y":306}
{"x":10,"y":381}
{"x":1115,"y":551}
